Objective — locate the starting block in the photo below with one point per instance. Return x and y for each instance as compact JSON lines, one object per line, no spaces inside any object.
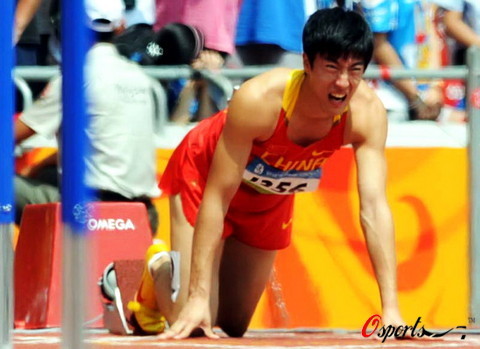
{"x":116,"y":231}
{"x":116,"y":315}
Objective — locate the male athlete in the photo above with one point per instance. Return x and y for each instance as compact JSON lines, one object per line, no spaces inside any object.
{"x":233,"y":178}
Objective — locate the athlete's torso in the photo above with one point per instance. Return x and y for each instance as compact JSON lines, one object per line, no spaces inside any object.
{"x":280,"y":166}
{"x":277,"y":165}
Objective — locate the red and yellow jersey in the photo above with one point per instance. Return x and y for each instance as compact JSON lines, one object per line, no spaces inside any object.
{"x":275,"y":166}
{"x":278,"y":165}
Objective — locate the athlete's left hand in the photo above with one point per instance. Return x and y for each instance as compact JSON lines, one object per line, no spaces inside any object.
{"x":195,"y":314}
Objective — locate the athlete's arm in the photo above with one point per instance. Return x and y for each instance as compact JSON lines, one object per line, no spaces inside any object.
{"x":369,"y":125}
{"x":249,"y":118}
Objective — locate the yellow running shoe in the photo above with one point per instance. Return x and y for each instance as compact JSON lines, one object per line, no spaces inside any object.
{"x":144,"y":307}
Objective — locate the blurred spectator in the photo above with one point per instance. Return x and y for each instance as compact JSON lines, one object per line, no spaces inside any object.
{"x":195,"y":99}
{"x":461,"y":22}
{"x":26,"y":38}
{"x":137,"y":43}
{"x":178,"y":44}
{"x":121,"y":102}
{"x":138,"y":21}
{"x":270,"y":32}
{"x":403,"y":34}
{"x":45,"y":30}
{"x":54,"y":40}
{"x":260,"y":40}
{"x":174,"y":44}
{"x":139,"y":12}
{"x":25,"y":31}
{"x":133,"y":42}
{"x":460,"y":28}
{"x":217,"y":20}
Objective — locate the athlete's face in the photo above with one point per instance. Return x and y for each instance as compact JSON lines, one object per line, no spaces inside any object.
{"x":334,"y":82}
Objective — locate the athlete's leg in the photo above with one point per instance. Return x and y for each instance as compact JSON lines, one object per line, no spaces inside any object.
{"x":244,"y":272}
{"x":181,"y":235}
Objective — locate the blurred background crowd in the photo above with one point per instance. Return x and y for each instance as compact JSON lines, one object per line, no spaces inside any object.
{"x":128,"y":108}
{"x":210,"y":34}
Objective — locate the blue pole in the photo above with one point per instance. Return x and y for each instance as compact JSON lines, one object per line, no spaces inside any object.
{"x":74,"y":140}
{"x":74,"y":194}
{"x":6,"y":112}
{"x":6,"y":173}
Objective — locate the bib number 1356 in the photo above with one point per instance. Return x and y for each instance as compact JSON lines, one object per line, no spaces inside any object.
{"x":281,"y":186}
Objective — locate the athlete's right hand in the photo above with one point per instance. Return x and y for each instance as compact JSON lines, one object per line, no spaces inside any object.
{"x":195,"y":314}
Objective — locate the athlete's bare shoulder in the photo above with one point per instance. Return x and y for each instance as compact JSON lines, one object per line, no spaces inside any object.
{"x":368,"y":115}
{"x":268,"y":86}
{"x":364,"y":97}
{"x":259,"y":100}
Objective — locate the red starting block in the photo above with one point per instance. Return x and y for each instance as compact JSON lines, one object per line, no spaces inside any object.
{"x":117,"y":230}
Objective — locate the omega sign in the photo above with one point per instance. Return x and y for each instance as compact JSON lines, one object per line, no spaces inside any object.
{"x":110,"y":224}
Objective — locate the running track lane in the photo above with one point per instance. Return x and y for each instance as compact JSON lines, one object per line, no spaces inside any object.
{"x":50,"y":339}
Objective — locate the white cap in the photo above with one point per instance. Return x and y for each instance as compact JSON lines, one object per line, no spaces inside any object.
{"x":104,"y":15}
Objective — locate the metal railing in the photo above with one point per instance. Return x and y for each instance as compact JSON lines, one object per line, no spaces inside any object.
{"x":44,"y":73}
{"x":224,"y":78}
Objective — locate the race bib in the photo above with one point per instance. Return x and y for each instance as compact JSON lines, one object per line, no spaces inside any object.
{"x":267,"y":179}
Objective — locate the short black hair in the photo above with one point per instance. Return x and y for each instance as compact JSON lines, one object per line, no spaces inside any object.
{"x":337,"y":33}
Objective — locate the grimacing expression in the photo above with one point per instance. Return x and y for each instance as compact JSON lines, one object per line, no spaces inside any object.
{"x":334,"y":81}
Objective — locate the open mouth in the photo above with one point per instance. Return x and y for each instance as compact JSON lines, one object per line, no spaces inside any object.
{"x":337,"y":97}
